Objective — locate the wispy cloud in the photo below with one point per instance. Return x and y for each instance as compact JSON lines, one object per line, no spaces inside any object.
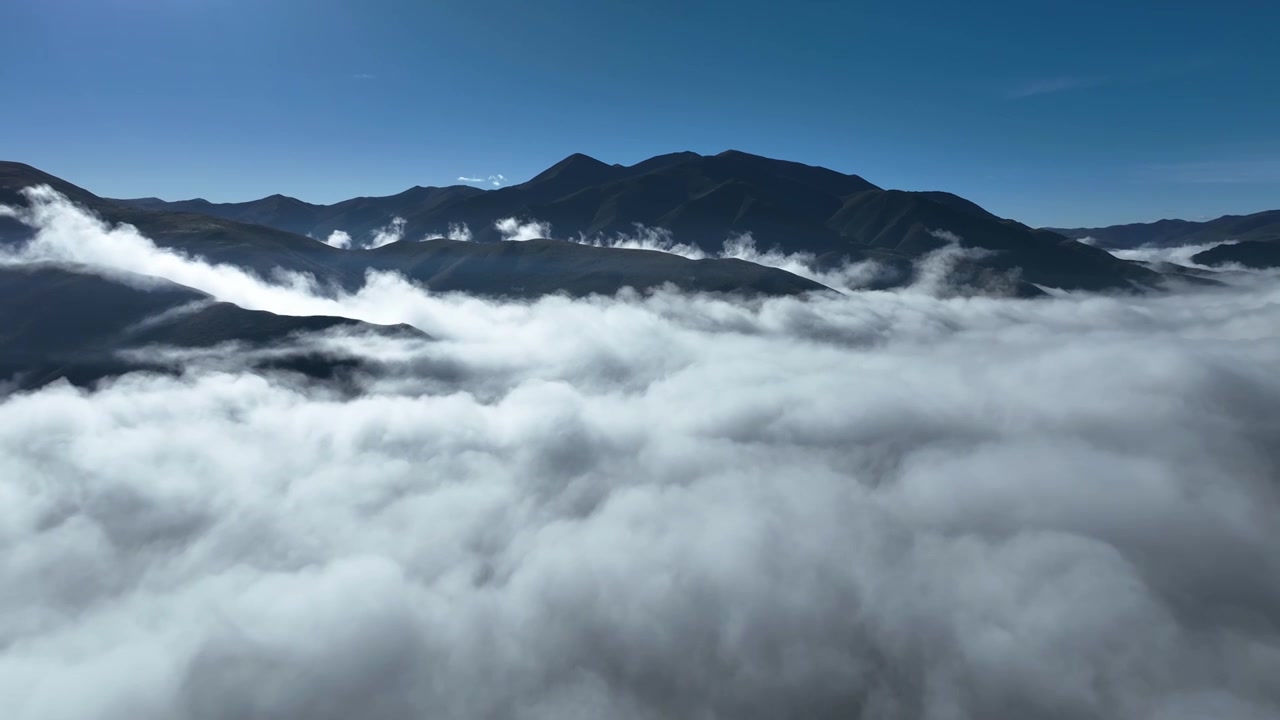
{"x":362,"y":76}
{"x":1052,"y":85}
{"x":1225,"y":172}
{"x":495,"y":180}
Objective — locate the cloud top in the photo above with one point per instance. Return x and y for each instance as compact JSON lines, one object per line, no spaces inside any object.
{"x":880,"y":504}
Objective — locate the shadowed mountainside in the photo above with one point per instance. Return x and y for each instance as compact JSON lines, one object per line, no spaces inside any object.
{"x":703,"y":200}
{"x":515,"y":269}
{"x":68,"y":322}
{"x":541,"y":267}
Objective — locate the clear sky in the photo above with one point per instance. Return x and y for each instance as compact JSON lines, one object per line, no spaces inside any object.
{"x":1052,"y":112}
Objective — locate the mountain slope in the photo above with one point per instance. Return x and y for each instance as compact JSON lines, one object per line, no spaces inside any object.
{"x":67,"y":322}
{"x":908,"y":224}
{"x":258,"y":248}
{"x":541,"y":267}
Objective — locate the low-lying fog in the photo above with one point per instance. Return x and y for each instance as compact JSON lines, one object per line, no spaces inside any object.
{"x":876,"y":504}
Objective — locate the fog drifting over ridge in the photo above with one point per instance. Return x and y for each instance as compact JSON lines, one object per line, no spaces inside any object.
{"x":881,"y":504}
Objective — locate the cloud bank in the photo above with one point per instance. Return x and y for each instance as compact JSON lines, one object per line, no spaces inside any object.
{"x":879,"y":505}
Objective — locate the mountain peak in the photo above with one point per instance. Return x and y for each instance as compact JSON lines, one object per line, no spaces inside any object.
{"x":282,"y":198}
{"x":577,"y":169}
{"x":577,"y":162}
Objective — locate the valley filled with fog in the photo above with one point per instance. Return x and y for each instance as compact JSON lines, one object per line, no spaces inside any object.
{"x":912,"y":502}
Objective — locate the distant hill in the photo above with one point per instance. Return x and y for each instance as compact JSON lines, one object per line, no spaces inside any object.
{"x":285,"y":213}
{"x":1261,"y":227}
{"x":703,"y":199}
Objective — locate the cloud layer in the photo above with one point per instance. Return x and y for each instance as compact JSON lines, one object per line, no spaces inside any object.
{"x":880,"y":505}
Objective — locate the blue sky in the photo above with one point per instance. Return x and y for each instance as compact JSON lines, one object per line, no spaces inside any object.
{"x":1055,"y":113}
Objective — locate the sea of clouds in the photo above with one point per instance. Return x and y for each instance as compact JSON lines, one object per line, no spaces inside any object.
{"x":875,"y":504}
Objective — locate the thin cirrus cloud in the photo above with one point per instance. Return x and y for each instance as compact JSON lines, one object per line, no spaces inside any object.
{"x":1052,"y":85}
{"x":495,"y":180}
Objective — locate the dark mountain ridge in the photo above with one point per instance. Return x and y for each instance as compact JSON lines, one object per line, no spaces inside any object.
{"x":530,"y":269}
{"x":705,"y":199}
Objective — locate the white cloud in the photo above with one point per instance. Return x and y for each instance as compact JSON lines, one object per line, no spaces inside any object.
{"x":882,"y":504}
{"x":339,"y":239}
{"x":458,"y":232}
{"x":390,"y":233}
{"x":845,"y":277}
{"x":495,"y":180}
{"x":513,"y":230}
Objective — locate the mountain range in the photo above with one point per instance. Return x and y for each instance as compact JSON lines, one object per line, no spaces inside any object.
{"x":78,"y":323}
{"x":702,"y":200}
{"x":1254,"y":239}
